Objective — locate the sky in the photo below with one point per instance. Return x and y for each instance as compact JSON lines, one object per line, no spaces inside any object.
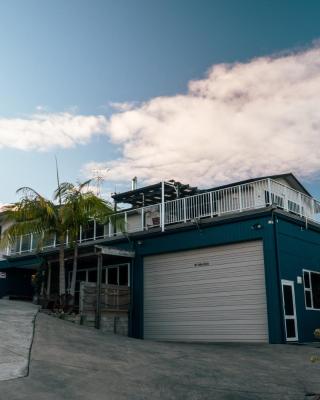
{"x":205,"y":92}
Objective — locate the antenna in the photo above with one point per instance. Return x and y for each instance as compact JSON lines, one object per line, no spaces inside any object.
{"x":99,"y":174}
{"x":58,"y":180}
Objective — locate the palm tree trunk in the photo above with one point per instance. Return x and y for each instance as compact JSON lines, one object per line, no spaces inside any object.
{"x":62,"y":278}
{"x":74,"y":273}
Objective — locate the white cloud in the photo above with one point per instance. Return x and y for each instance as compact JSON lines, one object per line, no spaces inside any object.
{"x":44,"y":131}
{"x":242,"y":120}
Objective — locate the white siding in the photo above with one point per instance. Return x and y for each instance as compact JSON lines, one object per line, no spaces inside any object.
{"x":211,"y":294}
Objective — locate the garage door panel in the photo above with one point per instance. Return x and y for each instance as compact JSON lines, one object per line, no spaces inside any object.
{"x":205,"y":284}
{"x":220,"y":295}
{"x":206,"y":309}
{"x":203,"y":294}
{"x":241,"y":272}
{"x":187,"y":264}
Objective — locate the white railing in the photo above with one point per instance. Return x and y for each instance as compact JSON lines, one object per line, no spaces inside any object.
{"x":234,"y":199}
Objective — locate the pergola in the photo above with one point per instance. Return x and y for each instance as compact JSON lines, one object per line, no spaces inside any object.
{"x":155,"y":194}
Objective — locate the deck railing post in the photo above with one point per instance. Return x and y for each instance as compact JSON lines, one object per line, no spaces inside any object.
{"x":142,"y":219}
{"x":240,"y":198}
{"x":20,"y":245}
{"x":300,"y":204}
{"x":110,"y":227}
{"x":313,"y":208}
{"x":184,"y":209}
{"x":125,"y":222}
{"x":269,"y":192}
{"x":162,"y":207}
{"x":31,"y":241}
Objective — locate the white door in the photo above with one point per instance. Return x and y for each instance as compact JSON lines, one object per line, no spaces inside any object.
{"x":212,"y":294}
{"x":289,"y":310}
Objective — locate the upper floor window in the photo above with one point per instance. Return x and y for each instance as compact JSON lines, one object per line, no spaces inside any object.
{"x":311,"y":281}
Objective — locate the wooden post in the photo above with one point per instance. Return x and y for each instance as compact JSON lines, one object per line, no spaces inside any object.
{"x":98,"y":304}
{"x":49,"y":279}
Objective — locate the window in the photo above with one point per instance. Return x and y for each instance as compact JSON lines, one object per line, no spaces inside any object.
{"x":311,"y":282}
{"x":118,"y":275}
{"x":112,"y":275}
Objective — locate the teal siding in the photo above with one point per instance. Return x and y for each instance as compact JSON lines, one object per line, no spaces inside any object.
{"x":299,"y":248}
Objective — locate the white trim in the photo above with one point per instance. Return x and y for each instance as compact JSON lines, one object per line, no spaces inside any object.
{"x":289,"y":317}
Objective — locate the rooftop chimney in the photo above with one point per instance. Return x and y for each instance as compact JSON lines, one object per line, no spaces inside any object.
{"x":134,"y":183}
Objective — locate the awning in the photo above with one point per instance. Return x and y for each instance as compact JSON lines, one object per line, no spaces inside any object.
{"x":23,"y":263}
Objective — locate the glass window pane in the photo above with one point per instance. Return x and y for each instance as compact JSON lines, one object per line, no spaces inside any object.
{"x":308,"y":298}
{"x":35,"y":241}
{"x":103,"y":279}
{"x":288,"y":300}
{"x":81,"y":275}
{"x":123,"y":275}
{"x":26,"y":241}
{"x":99,"y":230}
{"x":291,"y":329}
{"x":315,"y":284}
{"x":92,"y":275}
{"x":113,"y":276}
{"x":88,"y":232}
{"x":306,"y":279}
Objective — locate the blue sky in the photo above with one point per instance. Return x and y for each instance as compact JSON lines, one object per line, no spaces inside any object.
{"x":77,"y":57}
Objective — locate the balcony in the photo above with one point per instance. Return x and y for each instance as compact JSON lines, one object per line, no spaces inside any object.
{"x":230,"y":200}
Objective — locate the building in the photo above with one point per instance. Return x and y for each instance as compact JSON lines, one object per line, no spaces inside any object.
{"x":237,"y":263}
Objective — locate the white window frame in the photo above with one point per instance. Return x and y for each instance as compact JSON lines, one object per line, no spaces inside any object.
{"x":309,"y":289}
{"x":285,"y":282}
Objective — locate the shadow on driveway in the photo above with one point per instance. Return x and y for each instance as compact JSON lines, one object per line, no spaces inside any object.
{"x":75,"y":362}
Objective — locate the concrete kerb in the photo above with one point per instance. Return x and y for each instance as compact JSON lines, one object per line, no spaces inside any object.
{"x":17,"y":325}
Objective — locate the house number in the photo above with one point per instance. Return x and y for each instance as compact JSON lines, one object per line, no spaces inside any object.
{"x":202,"y":264}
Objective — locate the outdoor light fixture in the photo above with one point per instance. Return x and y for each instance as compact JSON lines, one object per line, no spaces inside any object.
{"x":256,"y":226}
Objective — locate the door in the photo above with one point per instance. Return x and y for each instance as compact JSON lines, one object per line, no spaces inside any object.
{"x":289,"y":310}
{"x":214,"y":294}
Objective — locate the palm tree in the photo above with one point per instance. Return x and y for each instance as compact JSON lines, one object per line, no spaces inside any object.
{"x":34,"y":213}
{"x":79,"y":207}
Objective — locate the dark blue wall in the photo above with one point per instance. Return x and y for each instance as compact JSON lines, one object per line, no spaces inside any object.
{"x":225,"y":232}
{"x":17,"y":283}
{"x":299,"y":248}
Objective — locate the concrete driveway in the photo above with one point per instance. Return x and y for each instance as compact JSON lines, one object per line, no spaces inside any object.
{"x":73,"y":362}
{"x":16,"y":332}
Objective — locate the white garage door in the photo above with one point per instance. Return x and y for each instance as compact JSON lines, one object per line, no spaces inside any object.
{"x":211,"y":294}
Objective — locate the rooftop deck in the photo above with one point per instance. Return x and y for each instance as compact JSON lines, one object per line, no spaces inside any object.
{"x":233,"y":199}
